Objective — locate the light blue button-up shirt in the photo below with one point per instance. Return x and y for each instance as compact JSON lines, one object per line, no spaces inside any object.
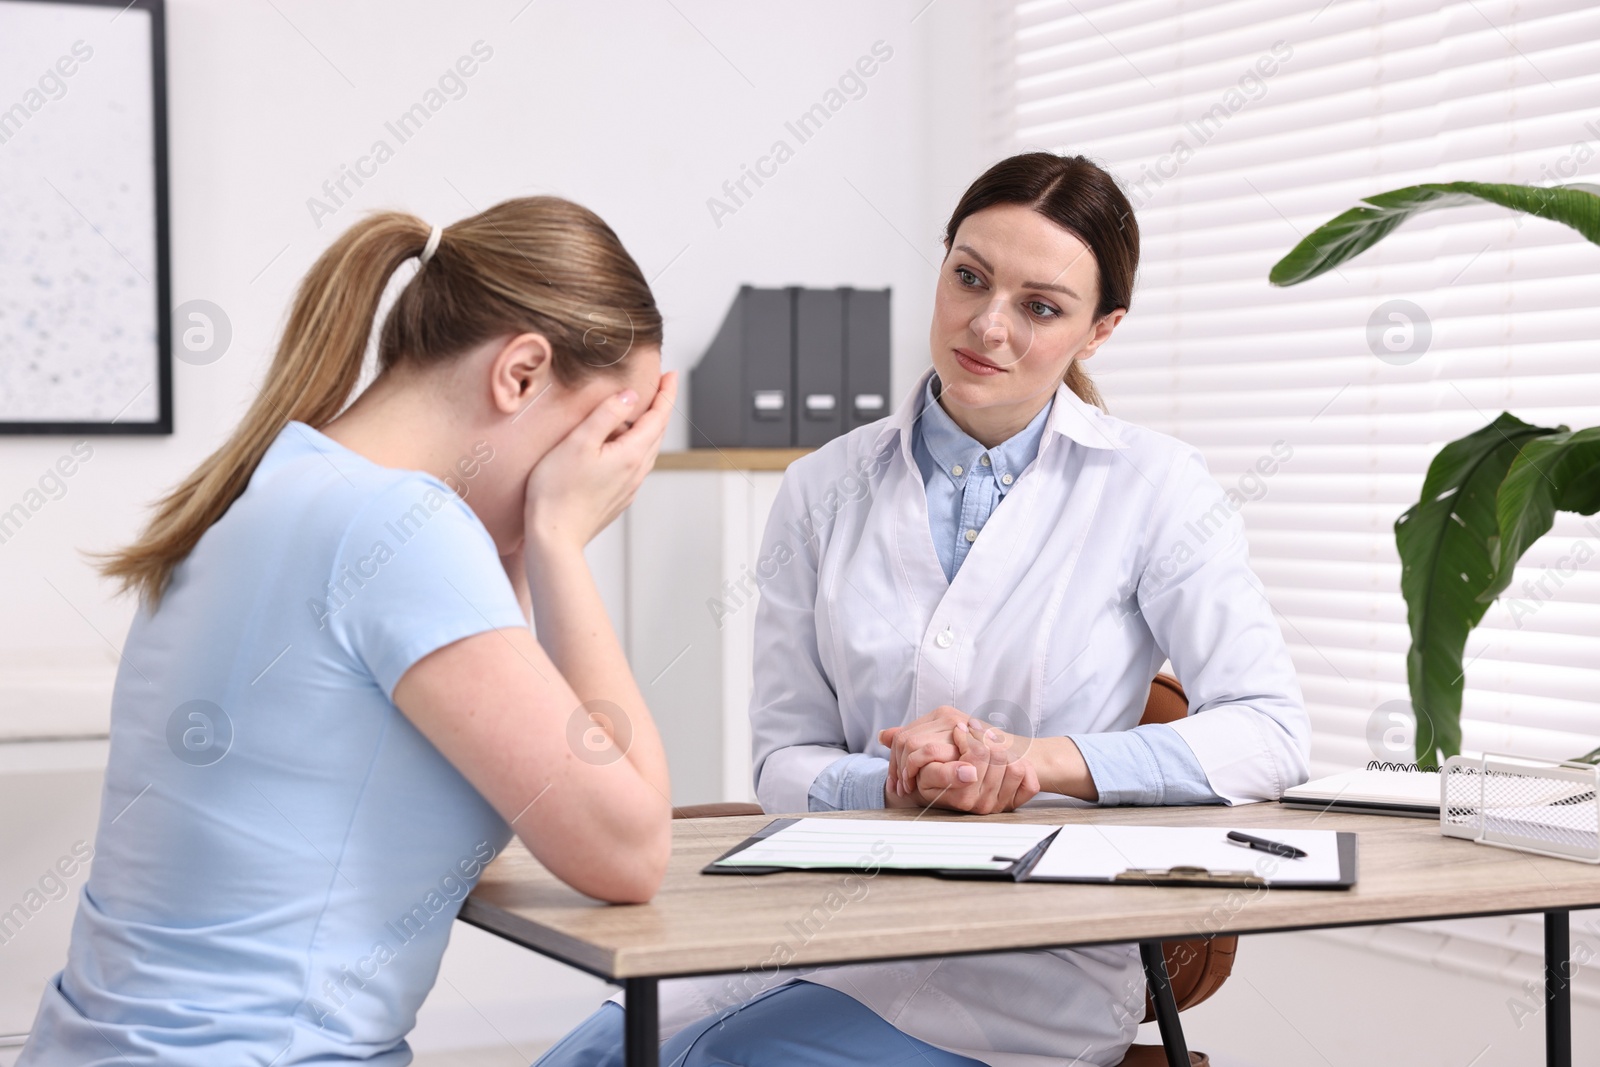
{"x":966,"y":482}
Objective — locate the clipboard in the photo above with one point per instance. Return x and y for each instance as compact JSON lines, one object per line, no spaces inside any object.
{"x":760,"y":835}
{"x":1002,"y":867}
{"x":1038,"y":864}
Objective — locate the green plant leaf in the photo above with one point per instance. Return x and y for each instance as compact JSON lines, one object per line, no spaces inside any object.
{"x":1348,"y":235}
{"x":1444,"y":542}
{"x":1560,"y":472}
{"x":1590,"y":758}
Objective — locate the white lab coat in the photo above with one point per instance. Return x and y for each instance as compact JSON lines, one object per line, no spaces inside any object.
{"x":1114,"y":551}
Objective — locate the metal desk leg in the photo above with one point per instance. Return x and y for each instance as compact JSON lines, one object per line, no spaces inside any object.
{"x":641,"y":1028}
{"x":1557,"y":989}
{"x":1155,"y":976}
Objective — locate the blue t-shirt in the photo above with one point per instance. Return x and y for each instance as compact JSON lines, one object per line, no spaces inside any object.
{"x":281,"y":854}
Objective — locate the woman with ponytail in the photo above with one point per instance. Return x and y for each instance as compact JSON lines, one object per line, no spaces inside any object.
{"x":331,"y":711}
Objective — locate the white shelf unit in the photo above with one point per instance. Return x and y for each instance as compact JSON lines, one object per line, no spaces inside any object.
{"x":692,"y":540}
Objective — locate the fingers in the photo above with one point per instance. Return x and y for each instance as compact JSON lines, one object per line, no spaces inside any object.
{"x":606,"y":417}
{"x":933,"y":728}
{"x":919,"y":743}
{"x":1001,"y":780}
{"x":952,"y":786}
{"x":974,"y":771}
{"x":938,"y":771}
{"x":666,"y":393}
{"x":647,"y":430}
{"x":659,"y":412}
{"x":1008,"y":773}
{"x":895,"y":782}
{"x":924,"y":754}
{"x":1012,"y":778}
{"x":915,"y":751}
{"x":1020,"y":782}
{"x":904,"y":741}
{"x":996,"y":781}
{"x":975,"y":751}
{"x":945,"y":783}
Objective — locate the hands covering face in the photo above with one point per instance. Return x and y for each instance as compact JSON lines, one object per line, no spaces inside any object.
{"x":591,"y":475}
{"x":949,"y":759}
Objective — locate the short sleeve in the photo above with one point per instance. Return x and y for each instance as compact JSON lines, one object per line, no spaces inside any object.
{"x":415,"y":571}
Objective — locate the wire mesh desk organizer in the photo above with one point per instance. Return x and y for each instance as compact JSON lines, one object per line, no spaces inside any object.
{"x":1532,"y":805}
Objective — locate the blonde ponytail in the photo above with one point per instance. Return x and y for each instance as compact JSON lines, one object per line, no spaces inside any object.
{"x":536,"y":263}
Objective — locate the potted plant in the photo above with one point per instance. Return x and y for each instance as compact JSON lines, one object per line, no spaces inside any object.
{"x":1487,"y":496}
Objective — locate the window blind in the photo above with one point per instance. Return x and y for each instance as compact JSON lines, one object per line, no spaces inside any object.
{"x":1238,"y":127}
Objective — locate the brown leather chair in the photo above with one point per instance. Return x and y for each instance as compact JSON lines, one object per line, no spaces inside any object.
{"x":1195,"y":968}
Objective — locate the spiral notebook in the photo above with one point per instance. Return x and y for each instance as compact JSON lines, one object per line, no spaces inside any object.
{"x":1381,"y":789}
{"x":1039,"y":852}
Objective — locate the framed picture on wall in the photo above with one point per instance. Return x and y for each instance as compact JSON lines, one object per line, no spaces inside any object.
{"x":85,"y":323}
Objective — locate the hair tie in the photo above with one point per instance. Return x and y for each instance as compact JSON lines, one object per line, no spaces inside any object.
{"x":432,"y":245}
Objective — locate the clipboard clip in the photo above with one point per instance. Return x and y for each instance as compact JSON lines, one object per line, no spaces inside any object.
{"x":1190,"y":876}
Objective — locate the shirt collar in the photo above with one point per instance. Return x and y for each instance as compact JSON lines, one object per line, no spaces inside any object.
{"x":1072,"y":418}
{"x":958,"y":454}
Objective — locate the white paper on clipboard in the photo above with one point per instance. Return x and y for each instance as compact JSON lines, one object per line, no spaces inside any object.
{"x":1089,"y":852}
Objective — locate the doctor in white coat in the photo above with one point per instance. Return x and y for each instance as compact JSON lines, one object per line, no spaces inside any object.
{"x":963,"y":606}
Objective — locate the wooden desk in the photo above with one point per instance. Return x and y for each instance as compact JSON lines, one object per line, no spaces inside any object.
{"x":702,"y":924}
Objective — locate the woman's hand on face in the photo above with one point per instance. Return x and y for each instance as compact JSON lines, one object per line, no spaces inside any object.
{"x":590,"y":476}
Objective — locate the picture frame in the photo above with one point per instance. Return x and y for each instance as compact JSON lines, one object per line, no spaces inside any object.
{"x":85,"y":255}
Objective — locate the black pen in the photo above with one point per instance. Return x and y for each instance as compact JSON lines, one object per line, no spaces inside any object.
{"x":1277,"y":848}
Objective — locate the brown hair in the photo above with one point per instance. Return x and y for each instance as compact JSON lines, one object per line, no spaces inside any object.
{"x":537,"y":264}
{"x":1076,"y":195}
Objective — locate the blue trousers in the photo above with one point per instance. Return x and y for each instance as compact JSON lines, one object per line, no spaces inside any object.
{"x":794,"y":1025}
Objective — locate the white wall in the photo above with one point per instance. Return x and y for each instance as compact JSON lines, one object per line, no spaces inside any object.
{"x":640,"y":110}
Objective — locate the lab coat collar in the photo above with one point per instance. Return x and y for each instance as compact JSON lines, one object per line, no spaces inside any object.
{"x":1070,"y":417}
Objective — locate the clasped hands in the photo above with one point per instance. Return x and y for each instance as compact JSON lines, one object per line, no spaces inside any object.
{"x":949,"y":759}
